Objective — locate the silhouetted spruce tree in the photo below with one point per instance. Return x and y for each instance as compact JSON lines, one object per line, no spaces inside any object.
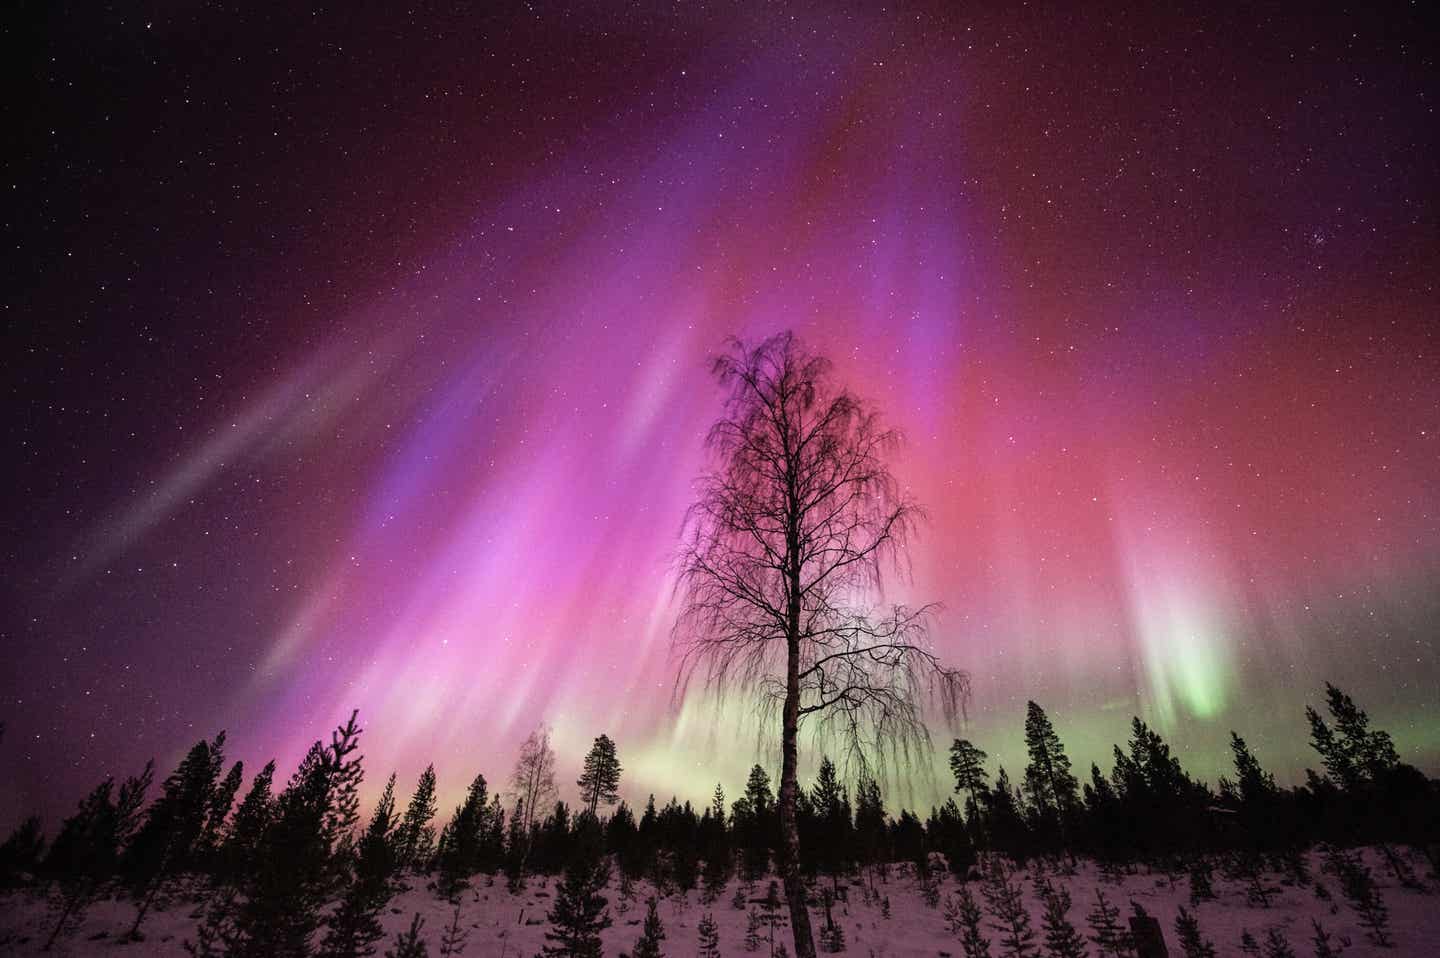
{"x":871,"y":834}
{"x":683,"y":832}
{"x":835,"y":829}
{"x":651,"y":935}
{"x":770,"y":909}
{"x":1109,"y":936}
{"x":1053,"y":790}
{"x":1276,"y":945}
{"x":1106,"y":836}
{"x":453,"y":940}
{"x":1321,"y":942}
{"x":355,"y":925}
{"x":754,"y":817}
{"x":517,"y":845}
{"x":621,"y":833}
{"x":552,"y":845}
{"x":1006,"y":902}
{"x":1248,"y":944}
{"x":1192,"y":943}
{"x":1003,"y":820}
{"x":947,"y":834}
{"x":294,"y":871}
{"x":1061,"y":938}
{"x":600,"y":780}
{"x":164,"y":843}
{"x":415,"y":836}
{"x":492,"y":848}
{"x":753,"y":924}
{"x":22,"y":851}
{"x":832,"y":936}
{"x":1359,"y":887}
{"x":1202,"y":887}
{"x":580,"y":911}
{"x":409,"y":944}
{"x":809,"y":834}
{"x":715,"y":845}
{"x":459,"y":852}
{"x":907,"y":837}
{"x":709,"y":937}
{"x":86,"y":853}
{"x":965,"y":923}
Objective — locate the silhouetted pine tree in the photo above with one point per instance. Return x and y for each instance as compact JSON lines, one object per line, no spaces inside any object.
{"x":653,"y":933}
{"x":459,"y":852}
{"x":871,"y":838}
{"x":948,"y":834}
{"x":715,"y":846}
{"x":1202,"y":887}
{"x":517,"y":845}
{"x":580,"y":913}
{"x":87,"y":850}
{"x":1159,"y":800}
{"x":1276,"y":946}
{"x":1248,"y":944}
{"x":753,"y":924}
{"x":965,"y":923}
{"x":833,"y":838}
{"x":415,"y":836}
{"x":755,"y":824}
{"x":1321,"y":941}
{"x":967,"y":763}
{"x":1052,"y":788}
{"x":22,"y":851}
{"x":453,"y":940}
{"x":1061,"y":938}
{"x":355,"y":925}
{"x":621,"y":839}
{"x":551,"y":847}
{"x":1359,"y":887}
{"x":1003,"y":821}
{"x":600,"y":780}
{"x":163,"y":844}
{"x":409,"y":944}
{"x":1352,"y":754}
{"x":247,"y":829}
{"x":709,"y":937}
{"x":295,"y":869}
{"x":1192,"y":943}
{"x":1109,"y":936}
{"x":770,"y":907}
{"x":1006,"y":902}
{"x":222,"y":799}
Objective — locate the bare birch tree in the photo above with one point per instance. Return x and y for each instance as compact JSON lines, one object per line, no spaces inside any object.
{"x":533,"y":780}
{"x":780,"y":575}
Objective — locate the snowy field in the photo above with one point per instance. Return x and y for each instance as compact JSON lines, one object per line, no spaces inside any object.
{"x":501,"y":924}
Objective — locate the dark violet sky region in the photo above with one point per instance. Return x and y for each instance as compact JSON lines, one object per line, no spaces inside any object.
{"x":355,"y":356}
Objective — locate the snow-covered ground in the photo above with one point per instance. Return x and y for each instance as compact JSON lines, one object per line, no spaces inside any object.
{"x":501,"y":924}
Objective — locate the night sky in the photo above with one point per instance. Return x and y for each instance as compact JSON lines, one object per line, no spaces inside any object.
{"x":358,"y":358}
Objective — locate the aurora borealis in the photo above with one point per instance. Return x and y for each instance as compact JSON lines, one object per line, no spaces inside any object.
{"x":356,"y":360}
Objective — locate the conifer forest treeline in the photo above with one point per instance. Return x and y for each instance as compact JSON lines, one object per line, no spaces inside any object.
{"x":294,"y":868}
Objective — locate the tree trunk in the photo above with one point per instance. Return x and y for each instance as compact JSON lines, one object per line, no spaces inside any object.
{"x":789,"y":795}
